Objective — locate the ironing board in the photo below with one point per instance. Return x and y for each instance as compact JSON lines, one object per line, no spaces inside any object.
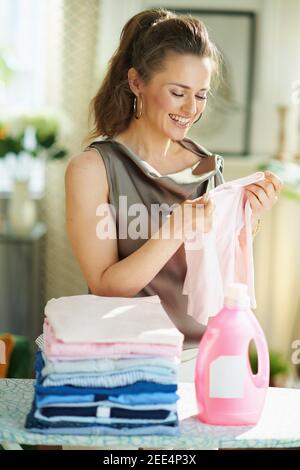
{"x":279,"y":425}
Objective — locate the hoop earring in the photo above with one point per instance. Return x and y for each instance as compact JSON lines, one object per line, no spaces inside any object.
{"x":138,"y":103}
{"x":198,"y":118}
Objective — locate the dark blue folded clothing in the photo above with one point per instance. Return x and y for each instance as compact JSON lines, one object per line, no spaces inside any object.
{"x":34,"y":423}
{"x":49,"y":412}
{"x":137,"y":387}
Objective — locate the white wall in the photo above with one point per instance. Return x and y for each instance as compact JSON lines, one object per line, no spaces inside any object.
{"x":277,"y":61}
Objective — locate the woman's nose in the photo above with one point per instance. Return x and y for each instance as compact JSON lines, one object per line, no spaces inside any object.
{"x":190,"y":107}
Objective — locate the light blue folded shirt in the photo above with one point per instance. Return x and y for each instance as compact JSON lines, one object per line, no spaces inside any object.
{"x":127,"y":400}
{"x":159,"y":430}
{"x":105,"y":365}
{"x":115,"y":379}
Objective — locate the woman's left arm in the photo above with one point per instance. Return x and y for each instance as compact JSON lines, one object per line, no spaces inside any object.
{"x":263,"y":195}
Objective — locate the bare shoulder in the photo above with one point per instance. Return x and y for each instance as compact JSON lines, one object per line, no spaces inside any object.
{"x":90,"y":160}
{"x":89,"y":167}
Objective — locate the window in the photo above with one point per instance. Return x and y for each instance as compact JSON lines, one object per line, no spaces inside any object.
{"x":24,"y":45}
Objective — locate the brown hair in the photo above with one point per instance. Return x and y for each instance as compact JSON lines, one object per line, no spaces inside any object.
{"x":144,"y":42}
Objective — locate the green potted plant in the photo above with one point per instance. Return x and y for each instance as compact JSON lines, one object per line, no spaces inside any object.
{"x":34,"y":134}
{"x":27,"y":141}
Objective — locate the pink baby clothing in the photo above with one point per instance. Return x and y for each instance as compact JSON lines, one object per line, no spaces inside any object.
{"x":96,"y":319}
{"x":224,"y":254}
{"x":57,"y":349}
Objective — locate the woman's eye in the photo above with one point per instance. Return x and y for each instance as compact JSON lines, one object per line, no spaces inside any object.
{"x":198,"y":97}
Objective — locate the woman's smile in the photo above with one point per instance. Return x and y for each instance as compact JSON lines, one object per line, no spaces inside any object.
{"x":180,"y":121}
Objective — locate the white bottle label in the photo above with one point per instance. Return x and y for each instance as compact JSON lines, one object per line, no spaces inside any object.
{"x":227,"y":377}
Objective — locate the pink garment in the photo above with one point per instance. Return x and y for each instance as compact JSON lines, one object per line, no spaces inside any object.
{"x":97,"y":319}
{"x":57,"y":349}
{"x":225,"y":253}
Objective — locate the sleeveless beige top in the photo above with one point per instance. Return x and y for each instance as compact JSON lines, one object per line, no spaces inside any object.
{"x":129,"y":175}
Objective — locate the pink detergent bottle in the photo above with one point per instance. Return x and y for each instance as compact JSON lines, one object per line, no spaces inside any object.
{"x":227,"y":391}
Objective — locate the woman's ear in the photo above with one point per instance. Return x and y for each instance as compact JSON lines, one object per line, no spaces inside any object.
{"x":134,"y":80}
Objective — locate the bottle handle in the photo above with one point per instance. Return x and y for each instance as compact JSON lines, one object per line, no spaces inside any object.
{"x":262,"y":377}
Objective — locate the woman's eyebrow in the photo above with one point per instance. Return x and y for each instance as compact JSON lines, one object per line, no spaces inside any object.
{"x":186,"y":86}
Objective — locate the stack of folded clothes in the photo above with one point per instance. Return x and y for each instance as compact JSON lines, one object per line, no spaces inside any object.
{"x":108,"y":366}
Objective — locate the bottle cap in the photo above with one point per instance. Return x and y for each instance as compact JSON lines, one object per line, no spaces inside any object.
{"x":237,"y":296}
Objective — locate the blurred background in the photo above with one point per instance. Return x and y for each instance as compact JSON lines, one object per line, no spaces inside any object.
{"x":53,"y":56}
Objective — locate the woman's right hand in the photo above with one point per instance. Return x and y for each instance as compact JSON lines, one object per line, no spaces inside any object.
{"x":194,"y":214}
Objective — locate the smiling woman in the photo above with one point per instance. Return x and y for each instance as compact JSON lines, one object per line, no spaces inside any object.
{"x":155,"y":88}
{"x":159,"y":52}
{"x":182,"y":101}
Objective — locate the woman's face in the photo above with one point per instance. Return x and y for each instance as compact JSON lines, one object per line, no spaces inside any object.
{"x":175,"y":97}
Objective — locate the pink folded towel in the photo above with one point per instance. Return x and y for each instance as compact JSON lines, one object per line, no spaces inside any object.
{"x":57,"y":349}
{"x":96,"y":319}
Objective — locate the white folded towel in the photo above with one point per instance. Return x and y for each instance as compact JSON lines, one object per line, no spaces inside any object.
{"x":93,"y":319}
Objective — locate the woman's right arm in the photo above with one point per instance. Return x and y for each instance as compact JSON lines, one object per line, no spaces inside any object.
{"x":86,"y":188}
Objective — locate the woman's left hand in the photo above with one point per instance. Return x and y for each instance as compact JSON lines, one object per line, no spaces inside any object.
{"x":264,"y":194}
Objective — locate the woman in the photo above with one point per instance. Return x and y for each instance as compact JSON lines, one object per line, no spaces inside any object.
{"x":156,"y":87}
